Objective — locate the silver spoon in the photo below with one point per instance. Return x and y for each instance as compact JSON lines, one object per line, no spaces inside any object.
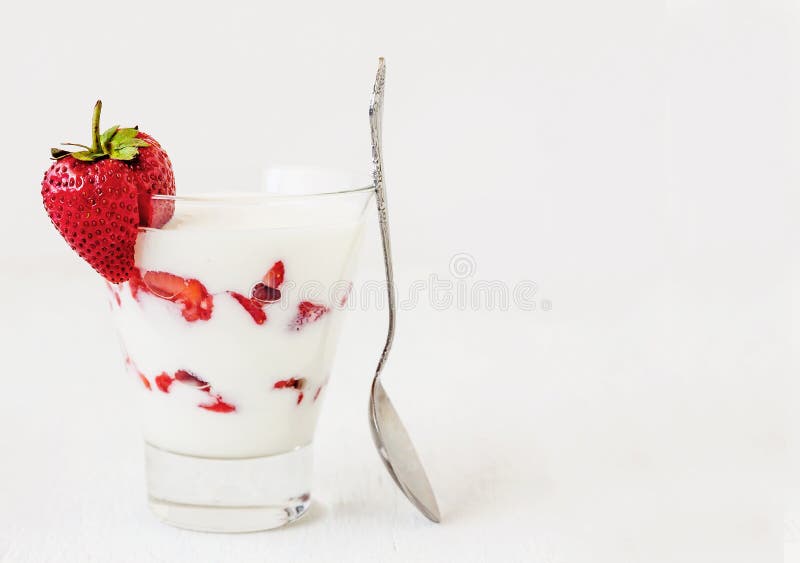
{"x":390,"y":436}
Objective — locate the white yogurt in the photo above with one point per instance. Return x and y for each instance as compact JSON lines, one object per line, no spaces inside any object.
{"x":230,"y":249}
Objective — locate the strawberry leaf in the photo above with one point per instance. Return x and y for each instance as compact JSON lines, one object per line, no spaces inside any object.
{"x":108,"y":134}
{"x":124,"y":135}
{"x":57,"y":154}
{"x":135,"y":143}
{"x":85,"y":156}
{"x":124,"y":153}
{"x":77,"y":145}
{"x":115,"y":142}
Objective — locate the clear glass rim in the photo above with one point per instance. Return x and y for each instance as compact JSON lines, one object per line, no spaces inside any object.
{"x":249,"y":198}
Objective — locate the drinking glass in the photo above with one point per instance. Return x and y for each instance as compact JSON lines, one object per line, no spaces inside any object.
{"x":229,"y":328}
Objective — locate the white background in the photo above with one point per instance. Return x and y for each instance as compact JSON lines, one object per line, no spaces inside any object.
{"x":637,"y":160}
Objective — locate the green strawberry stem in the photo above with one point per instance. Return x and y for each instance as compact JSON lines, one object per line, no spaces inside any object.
{"x":96,"y":148}
{"x":115,"y":143}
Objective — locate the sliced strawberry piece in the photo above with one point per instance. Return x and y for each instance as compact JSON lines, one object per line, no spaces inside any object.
{"x":163,"y":382}
{"x":291,"y":383}
{"x":264,"y":294}
{"x":307,"y":312}
{"x":152,"y":172}
{"x":164,"y":285}
{"x":274,"y":277}
{"x":129,"y":362}
{"x":267,"y":290}
{"x":136,"y":283}
{"x":218,"y":406}
{"x":195,"y":300}
{"x":296,"y":383}
{"x":145,"y":381}
{"x":190,"y":379}
{"x":251,"y":306}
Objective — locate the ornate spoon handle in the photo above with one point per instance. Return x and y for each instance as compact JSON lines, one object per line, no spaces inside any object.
{"x":375,"y":120}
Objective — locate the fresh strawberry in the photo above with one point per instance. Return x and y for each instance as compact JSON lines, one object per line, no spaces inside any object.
{"x":136,"y":283}
{"x":274,"y":277}
{"x":218,"y":406}
{"x":264,"y":294}
{"x":153,"y":176}
{"x":164,"y":285}
{"x":291,"y":383}
{"x":163,"y":382}
{"x":296,"y":383}
{"x":145,"y":381}
{"x":251,"y":306}
{"x":99,"y":223}
{"x":190,"y":379}
{"x":130,"y":363}
{"x":195,"y":300}
{"x":266,"y":291}
{"x":93,"y":196}
{"x":307,"y":312}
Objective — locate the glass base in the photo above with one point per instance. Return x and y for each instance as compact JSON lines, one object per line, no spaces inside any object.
{"x":228,"y":495}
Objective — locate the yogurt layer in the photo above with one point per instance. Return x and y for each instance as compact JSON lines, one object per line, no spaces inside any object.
{"x":237,"y":376}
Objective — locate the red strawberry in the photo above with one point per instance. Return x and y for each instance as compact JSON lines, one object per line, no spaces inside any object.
{"x":296,"y":383}
{"x":153,"y":176}
{"x":164,"y":285}
{"x":189,"y":378}
{"x":307,"y":312}
{"x":195,"y":300}
{"x":163,"y":381}
{"x":267,"y":290}
{"x":218,"y":406}
{"x":251,"y":306}
{"x":93,"y":196}
{"x":130,"y":363}
{"x":264,"y":294}
{"x":274,"y":277}
{"x":100,"y":224}
{"x":291,"y":383}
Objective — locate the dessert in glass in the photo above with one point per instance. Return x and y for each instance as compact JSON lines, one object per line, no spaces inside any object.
{"x":230,"y":322}
{"x":228,"y":309}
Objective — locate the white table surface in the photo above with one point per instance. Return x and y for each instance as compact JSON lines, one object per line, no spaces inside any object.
{"x":620,"y":425}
